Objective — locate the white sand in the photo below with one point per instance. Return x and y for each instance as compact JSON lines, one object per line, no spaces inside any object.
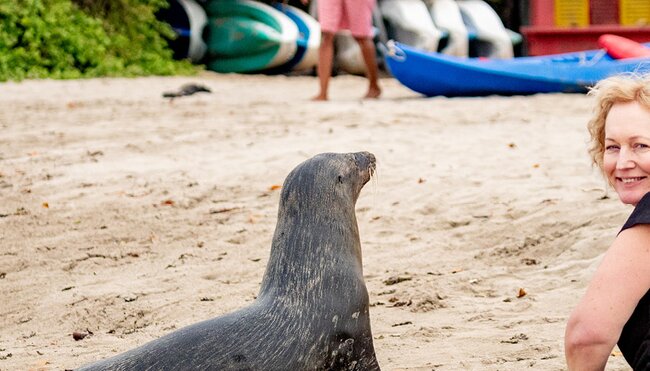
{"x":160,"y":214}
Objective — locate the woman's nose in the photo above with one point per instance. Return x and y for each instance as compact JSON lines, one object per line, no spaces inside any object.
{"x":625,"y":159}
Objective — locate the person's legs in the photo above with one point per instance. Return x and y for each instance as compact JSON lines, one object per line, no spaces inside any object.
{"x":369,"y":56}
{"x":359,"y":16}
{"x":325,"y":60}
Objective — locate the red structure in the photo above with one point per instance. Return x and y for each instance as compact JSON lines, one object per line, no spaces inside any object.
{"x":559,"y":26}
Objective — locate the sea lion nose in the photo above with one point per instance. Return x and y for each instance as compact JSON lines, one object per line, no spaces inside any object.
{"x":369,"y":158}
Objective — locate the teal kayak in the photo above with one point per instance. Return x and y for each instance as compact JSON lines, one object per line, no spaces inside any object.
{"x":248,"y":36}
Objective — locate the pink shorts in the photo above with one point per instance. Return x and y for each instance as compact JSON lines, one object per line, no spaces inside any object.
{"x":353,"y":15}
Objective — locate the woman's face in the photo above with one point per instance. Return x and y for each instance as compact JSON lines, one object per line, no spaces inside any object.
{"x":627,"y":151}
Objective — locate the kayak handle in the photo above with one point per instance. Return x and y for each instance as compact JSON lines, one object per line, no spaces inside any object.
{"x":393,"y":51}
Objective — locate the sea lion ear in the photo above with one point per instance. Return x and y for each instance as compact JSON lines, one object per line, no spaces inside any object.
{"x":341,"y":179}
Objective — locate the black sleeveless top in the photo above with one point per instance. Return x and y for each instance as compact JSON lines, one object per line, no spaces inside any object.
{"x":634,"y":342}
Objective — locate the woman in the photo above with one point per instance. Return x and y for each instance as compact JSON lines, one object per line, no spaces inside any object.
{"x":616,"y":306}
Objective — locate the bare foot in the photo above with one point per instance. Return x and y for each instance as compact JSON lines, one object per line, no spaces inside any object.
{"x":373,"y":93}
{"x":320,"y":97}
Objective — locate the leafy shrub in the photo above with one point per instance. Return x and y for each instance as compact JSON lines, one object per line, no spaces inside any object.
{"x":84,"y":38}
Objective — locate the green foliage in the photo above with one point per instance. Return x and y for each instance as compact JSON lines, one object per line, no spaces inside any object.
{"x":87,"y":38}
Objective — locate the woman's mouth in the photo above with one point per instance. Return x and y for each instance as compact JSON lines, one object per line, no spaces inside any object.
{"x":630,"y":179}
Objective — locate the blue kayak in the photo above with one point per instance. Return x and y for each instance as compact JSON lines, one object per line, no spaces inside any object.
{"x":433,"y":74}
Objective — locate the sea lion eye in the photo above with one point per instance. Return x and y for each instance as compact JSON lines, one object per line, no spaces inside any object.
{"x":340,"y":179}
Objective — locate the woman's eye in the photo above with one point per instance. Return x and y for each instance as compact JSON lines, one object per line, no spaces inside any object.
{"x":611,"y":148}
{"x":640,"y":146}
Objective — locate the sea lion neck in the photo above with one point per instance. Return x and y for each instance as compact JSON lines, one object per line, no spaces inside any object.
{"x":319,"y":248}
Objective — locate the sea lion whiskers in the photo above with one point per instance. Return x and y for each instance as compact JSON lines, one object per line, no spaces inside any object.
{"x":374,"y":179}
{"x":370,"y":169}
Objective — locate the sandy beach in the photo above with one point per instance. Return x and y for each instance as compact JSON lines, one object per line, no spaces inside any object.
{"x":125,"y":215}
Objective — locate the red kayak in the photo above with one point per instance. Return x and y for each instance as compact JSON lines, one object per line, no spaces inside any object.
{"x":619,"y":47}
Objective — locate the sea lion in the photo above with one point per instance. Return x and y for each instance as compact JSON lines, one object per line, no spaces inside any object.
{"x":312,"y":309}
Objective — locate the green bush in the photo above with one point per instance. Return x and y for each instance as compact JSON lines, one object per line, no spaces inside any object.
{"x":85,"y":38}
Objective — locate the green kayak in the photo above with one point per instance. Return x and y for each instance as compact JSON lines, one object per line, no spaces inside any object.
{"x":248,"y":36}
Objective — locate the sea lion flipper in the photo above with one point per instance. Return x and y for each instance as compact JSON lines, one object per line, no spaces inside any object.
{"x":351,"y":355}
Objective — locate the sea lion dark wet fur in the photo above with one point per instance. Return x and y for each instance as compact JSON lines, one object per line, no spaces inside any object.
{"x":312,"y":309}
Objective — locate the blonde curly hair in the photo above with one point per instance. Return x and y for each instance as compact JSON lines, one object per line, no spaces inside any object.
{"x":622,"y":88}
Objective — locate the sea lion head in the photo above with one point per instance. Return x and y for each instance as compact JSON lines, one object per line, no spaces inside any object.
{"x":335,"y":179}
